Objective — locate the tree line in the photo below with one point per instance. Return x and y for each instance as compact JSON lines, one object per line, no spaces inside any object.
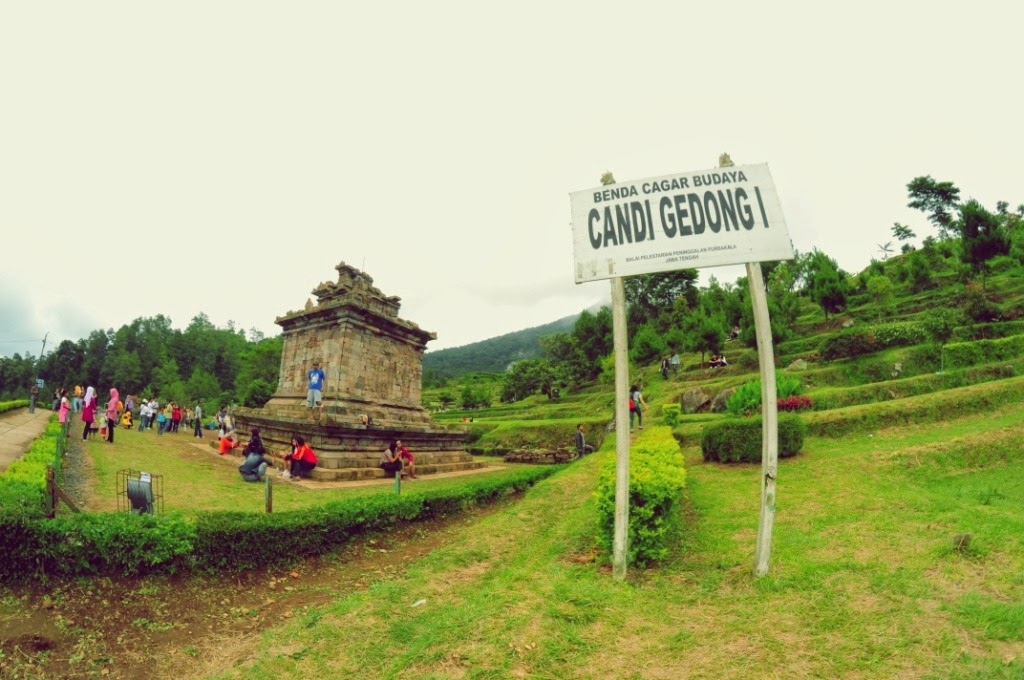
{"x":148,"y":358}
{"x":666,"y":313}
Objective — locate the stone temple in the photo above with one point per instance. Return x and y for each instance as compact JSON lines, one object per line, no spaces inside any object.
{"x":374,"y":365}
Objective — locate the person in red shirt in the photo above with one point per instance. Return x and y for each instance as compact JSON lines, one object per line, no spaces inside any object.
{"x":302,"y":458}
{"x":408,"y":461}
{"x":175,"y":416}
{"x":225,"y":445}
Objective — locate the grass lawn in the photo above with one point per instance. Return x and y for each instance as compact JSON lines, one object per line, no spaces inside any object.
{"x":864,"y":579}
{"x":196,"y":478}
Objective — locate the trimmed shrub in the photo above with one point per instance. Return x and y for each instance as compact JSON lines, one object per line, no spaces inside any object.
{"x":983,"y":351}
{"x":738,"y":440}
{"x":23,"y":484}
{"x":657,"y":477}
{"x":861,"y":340}
{"x":670,"y":414}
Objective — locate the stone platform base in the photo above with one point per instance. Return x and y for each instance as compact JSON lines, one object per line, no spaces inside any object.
{"x":348,"y":450}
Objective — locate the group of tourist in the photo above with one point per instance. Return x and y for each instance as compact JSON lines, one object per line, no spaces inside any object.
{"x":669,"y":364}
{"x":299,"y":461}
{"x":90,"y":413}
{"x":396,"y":459}
{"x":167,"y":418}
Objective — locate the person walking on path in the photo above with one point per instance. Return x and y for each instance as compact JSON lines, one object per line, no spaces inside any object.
{"x":315,"y":391}
{"x":199,"y":419}
{"x":65,"y":406}
{"x":34,"y":396}
{"x":636,"y":405}
{"x":88,"y":411}
{"x":111,"y":415}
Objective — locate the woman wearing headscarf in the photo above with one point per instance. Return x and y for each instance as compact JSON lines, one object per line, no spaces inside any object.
{"x":112,"y":414}
{"x":88,"y":411}
{"x":65,"y":406}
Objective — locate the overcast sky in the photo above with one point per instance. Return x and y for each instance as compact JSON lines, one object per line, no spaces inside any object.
{"x":223,"y":157}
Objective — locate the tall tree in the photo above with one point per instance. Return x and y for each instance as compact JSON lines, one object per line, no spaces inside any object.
{"x":826,"y":283}
{"x":706,"y":334}
{"x":649,"y":295}
{"x":880,"y":289}
{"x":982,"y":238}
{"x":593,"y":334}
{"x":937,"y":199}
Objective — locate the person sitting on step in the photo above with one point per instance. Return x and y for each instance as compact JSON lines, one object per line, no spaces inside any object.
{"x":254,"y":467}
{"x":390,"y":461}
{"x":301,"y":459}
{"x":408,"y":460}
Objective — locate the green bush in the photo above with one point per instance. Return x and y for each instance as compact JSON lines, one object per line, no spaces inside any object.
{"x":860,"y":340}
{"x":11,"y":405}
{"x":670,"y":414}
{"x":23,"y":483}
{"x":657,"y":477}
{"x":738,"y":440}
{"x":963,"y":354}
{"x":987,"y":331}
{"x":258,"y":393}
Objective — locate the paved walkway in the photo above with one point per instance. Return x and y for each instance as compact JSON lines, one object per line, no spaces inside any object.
{"x":18,"y":428}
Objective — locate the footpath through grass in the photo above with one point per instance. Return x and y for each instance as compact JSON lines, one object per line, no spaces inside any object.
{"x":864,"y":579}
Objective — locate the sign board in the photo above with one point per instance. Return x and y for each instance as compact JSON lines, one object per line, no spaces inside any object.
{"x":40,"y":383}
{"x":706,"y":218}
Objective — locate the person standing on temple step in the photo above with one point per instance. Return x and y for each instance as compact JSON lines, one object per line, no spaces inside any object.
{"x":315,"y":391}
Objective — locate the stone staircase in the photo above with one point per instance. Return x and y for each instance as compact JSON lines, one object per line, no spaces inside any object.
{"x":351,"y":466}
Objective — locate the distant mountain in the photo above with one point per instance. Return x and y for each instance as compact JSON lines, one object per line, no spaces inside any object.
{"x":494,"y":355}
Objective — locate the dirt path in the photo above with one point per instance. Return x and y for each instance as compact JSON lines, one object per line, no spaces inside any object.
{"x":188,"y":627}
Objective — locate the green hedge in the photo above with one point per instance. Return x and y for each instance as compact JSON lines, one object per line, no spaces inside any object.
{"x":861,"y":340}
{"x":961,"y":354}
{"x":23,"y":483}
{"x":124,"y":543}
{"x":739,"y":440}
{"x":11,"y":405}
{"x":987,"y":331}
{"x":657,"y":476}
{"x":917,"y":410}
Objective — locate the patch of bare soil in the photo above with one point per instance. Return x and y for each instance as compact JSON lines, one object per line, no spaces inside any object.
{"x":187,"y":627}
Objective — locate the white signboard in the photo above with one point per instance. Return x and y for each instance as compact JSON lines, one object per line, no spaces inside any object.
{"x":707,"y":218}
